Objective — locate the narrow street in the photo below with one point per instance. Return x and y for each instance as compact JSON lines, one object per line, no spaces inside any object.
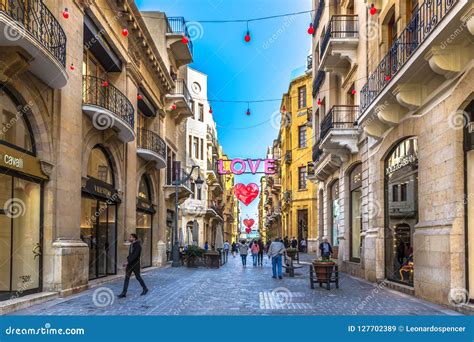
{"x":234,"y":290}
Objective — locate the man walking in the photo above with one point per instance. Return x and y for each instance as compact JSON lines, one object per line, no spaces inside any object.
{"x":133,"y":265}
{"x":226,"y":250}
{"x":275,"y":253}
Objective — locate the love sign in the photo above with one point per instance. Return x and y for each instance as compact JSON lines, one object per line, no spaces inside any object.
{"x":246,"y":193}
{"x":249,"y":223}
{"x":239,"y":166}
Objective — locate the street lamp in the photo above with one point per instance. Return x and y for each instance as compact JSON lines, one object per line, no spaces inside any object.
{"x":177,"y":182}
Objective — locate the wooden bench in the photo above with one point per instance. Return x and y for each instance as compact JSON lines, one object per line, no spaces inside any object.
{"x":290,"y":266}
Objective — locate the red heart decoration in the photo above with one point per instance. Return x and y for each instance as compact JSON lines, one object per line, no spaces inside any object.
{"x":248,"y":230}
{"x":249,"y":223}
{"x":246,"y":193}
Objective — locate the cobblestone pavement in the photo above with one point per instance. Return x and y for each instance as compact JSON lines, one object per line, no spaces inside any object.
{"x":234,"y":290}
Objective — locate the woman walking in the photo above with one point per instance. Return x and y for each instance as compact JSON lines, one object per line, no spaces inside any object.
{"x":260,"y":252}
{"x":255,"y":250}
{"x":243,"y":250}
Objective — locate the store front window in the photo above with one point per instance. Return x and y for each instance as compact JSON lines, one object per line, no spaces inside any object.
{"x":355,"y":188}
{"x":20,"y":204}
{"x":335,"y":212}
{"x":401,"y":212}
{"x":145,"y":213}
{"x":98,"y":215}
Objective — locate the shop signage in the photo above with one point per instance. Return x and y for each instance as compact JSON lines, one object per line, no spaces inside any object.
{"x":13,"y":159}
{"x":98,"y":188}
{"x":240,"y":166}
{"x":407,"y":160}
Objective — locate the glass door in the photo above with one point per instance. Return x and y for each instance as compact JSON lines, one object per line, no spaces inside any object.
{"x":98,"y":230}
{"x":20,"y":235}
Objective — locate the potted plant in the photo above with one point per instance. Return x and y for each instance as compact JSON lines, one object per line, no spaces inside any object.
{"x":192,"y":253}
{"x":291,"y":252}
{"x":323,"y":269}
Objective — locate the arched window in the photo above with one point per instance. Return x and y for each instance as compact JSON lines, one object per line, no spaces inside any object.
{"x":355,"y":205}
{"x":99,"y":166}
{"x":14,"y":129}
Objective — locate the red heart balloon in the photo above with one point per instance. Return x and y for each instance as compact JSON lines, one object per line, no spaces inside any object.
{"x":248,"y":230}
{"x":246,"y":193}
{"x":249,"y":223}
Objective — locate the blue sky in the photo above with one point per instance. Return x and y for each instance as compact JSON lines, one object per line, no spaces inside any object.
{"x":237,"y":70}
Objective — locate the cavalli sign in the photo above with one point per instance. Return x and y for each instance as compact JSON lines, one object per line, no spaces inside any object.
{"x":240,"y":166}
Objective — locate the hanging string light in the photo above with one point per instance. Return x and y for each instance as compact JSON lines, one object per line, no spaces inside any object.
{"x":66,"y":14}
{"x":105,"y":84}
{"x":248,"y":109}
{"x":72,"y":67}
{"x":353,"y":92}
{"x":139,"y":97}
{"x":173,"y":106}
{"x":311,"y":29}
{"x":210,"y":110}
{"x":185,"y":40}
{"x":125,"y":32}
{"x":319,"y":102}
{"x":387,"y":78}
{"x":372,"y":9}
{"x":247,"y":36}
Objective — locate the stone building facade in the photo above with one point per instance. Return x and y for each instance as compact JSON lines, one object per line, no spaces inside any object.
{"x":394,"y":172}
{"x":298,"y":194}
{"x":92,"y":117}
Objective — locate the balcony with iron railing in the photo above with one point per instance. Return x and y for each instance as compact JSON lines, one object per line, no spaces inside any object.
{"x":180,"y":101}
{"x":108,"y":107}
{"x":318,"y":82}
{"x":184,"y":188}
{"x":150,"y":146}
{"x":416,"y":63}
{"x":338,"y":138}
{"x":338,"y":47}
{"x":30,"y":25}
{"x":179,"y":40}
{"x":309,"y":63}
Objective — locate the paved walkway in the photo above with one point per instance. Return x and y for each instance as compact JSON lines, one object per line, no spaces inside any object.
{"x":234,"y":290}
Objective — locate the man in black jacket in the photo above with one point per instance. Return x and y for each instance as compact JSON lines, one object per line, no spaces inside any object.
{"x":133,"y":265}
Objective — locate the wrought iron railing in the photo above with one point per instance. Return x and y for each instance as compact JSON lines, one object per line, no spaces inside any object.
{"x":182,"y":89}
{"x":424,"y":20}
{"x":317,"y":152}
{"x":171,"y":177}
{"x":310,"y":170}
{"x":98,"y":92}
{"x":317,"y":15}
{"x":340,"y":26}
{"x":318,"y":82}
{"x":151,"y":141}
{"x":37,"y":19}
{"x":178,"y":25}
{"x":339,"y":117}
{"x":309,"y":62}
